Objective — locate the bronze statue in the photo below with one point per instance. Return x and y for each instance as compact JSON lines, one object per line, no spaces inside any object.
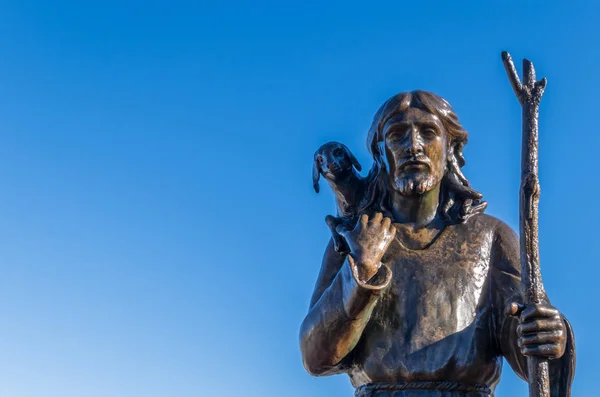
{"x":425,"y":300}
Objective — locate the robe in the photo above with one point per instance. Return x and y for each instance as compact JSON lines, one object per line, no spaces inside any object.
{"x":431,"y":323}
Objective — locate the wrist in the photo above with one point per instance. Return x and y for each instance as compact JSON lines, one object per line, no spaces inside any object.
{"x":366,"y":269}
{"x":380,"y":279}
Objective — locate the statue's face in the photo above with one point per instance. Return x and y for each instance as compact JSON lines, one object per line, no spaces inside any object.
{"x":415,"y":151}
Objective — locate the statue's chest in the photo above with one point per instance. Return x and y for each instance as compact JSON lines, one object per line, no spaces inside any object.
{"x":435,"y":292}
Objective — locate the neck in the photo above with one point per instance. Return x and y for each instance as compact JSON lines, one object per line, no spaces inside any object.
{"x":346,"y":186}
{"x":418,"y":209}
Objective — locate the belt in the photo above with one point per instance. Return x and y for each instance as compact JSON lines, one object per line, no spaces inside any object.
{"x":402,"y":389}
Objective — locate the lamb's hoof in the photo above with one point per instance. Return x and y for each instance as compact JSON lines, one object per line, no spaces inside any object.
{"x":341,"y":249}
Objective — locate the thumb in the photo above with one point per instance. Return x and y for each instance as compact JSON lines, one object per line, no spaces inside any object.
{"x":342,"y":230}
{"x":515,"y":309}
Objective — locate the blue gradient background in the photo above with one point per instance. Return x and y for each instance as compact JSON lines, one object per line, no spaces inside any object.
{"x":159,"y":234}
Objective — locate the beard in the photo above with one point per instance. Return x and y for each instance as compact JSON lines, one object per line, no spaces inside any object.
{"x":414,"y":184}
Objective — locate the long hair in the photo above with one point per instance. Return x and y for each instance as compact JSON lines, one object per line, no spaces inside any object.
{"x":458,"y":201}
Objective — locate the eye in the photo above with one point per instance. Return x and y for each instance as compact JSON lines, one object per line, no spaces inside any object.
{"x":393,"y":137}
{"x":337,"y":152}
{"x":429,"y":132}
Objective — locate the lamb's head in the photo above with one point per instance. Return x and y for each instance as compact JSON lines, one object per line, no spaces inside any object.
{"x":334,"y":161}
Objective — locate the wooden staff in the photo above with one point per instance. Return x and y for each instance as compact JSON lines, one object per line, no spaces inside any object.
{"x":529,"y":94}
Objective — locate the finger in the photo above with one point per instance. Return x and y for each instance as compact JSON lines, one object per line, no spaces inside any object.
{"x":387,"y":222}
{"x":539,"y":326}
{"x":539,"y":311}
{"x":341,"y":229}
{"x":392,"y":231}
{"x":364,"y":219}
{"x":540,"y":338}
{"x":549,"y":350}
{"x":377,"y":218}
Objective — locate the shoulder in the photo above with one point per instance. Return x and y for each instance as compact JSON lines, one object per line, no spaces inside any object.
{"x":480,"y":227}
{"x":498,"y":229}
{"x":505,"y":253}
{"x":502,"y":239}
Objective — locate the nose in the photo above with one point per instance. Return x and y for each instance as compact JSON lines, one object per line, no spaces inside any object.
{"x":413,"y":144}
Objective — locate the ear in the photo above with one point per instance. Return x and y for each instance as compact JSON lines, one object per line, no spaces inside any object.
{"x":316,"y":174}
{"x":352,"y":158}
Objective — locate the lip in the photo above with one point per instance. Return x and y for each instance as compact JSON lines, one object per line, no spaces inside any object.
{"x":413,"y":164}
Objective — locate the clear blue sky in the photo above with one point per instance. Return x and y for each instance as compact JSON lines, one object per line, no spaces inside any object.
{"x":159,"y":235}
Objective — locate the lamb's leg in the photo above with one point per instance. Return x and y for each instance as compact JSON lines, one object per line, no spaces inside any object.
{"x":339,"y":243}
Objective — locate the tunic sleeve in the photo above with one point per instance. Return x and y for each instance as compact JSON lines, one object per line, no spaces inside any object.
{"x":339,"y":311}
{"x":506,"y":280}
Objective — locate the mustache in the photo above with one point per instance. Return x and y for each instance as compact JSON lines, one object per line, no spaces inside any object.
{"x":414,"y":160}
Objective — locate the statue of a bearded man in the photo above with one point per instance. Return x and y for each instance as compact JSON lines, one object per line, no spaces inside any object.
{"x":418,"y":307}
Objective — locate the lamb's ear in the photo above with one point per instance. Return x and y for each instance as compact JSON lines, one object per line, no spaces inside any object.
{"x":316,"y":174}
{"x":352,"y":158}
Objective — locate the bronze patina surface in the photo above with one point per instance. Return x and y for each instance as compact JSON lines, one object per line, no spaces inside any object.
{"x":419,"y":292}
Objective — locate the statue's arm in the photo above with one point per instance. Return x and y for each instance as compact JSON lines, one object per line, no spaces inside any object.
{"x":506,"y":283}
{"x":340,"y":308}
